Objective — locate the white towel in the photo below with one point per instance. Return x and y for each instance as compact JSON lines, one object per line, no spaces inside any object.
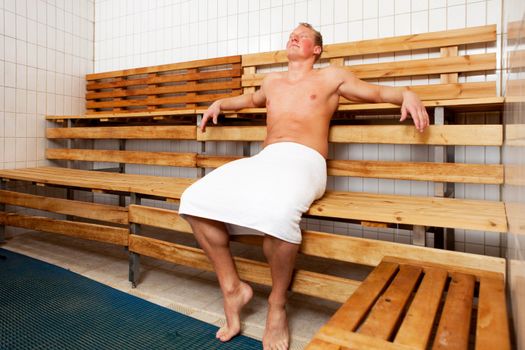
{"x":263,"y":194}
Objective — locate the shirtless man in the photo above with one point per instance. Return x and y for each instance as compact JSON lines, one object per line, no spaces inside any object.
{"x":300,"y":104}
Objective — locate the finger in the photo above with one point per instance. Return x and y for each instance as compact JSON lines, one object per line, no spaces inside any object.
{"x":203,"y":123}
{"x":215,"y":119}
{"x":403,"y":113}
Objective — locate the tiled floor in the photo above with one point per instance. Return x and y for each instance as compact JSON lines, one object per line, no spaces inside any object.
{"x":186,"y":290}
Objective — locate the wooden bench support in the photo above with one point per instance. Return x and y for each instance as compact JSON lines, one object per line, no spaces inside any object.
{"x":397,"y":306}
{"x":134,"y":257}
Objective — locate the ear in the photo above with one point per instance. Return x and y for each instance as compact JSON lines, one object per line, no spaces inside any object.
{"x":317,"y":50}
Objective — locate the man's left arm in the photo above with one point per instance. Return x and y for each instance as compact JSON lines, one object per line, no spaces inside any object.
{"x":356,"y":89}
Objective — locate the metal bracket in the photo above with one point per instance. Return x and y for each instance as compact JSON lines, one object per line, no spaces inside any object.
{"x":134,"y":258}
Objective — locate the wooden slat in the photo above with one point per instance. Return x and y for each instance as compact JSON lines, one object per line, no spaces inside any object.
{"x":166,"y":187}
{"x":352,"y":312}
{"x":385,"y":314}
{"x":448,"y":52}
{"x":422,"y":171}
{"x":468,"y":135}
{"x":305,"y":282}
{"x":214,"y":161}
{"x":170,"y":89}
{"x":317,"y":344}
{"x":367,"y":251}
{"x":399,"y":43}
{"x":471,"y":63}
{"x":176,"y":132}
{"x":349,"y":340}
{"x":454,"y":326}
{"x":417,"y":324}
{"x":168,"y":78}
{"x":123,"y":115}
{"x":232,"y":133}
{"x":81,"y":209}
{"x":412,"y":210}
{"x":166,"y":67}
{"x":94,"y":232}
{"x":492,"y":330}
{"x":152,"y":101}
{"x":130,"y":157}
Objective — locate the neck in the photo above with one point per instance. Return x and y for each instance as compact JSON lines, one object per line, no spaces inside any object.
{"x":297,"y":69}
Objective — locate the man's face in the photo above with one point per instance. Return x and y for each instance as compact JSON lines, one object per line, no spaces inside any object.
{"x":302,"y":43}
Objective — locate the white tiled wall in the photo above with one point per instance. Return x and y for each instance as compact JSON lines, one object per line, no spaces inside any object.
{"x":46,"y":48}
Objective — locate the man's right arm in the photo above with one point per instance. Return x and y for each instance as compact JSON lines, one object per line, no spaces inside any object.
{"x":252,"y":100}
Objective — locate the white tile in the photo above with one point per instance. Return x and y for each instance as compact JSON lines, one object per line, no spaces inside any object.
{"x":476,"y":14}
{"x":402,"y":6}
{"x":456,"y":17}
{"x":41,"y":103}
{"x":21,"y":149}
{"x":340,"y":33}
{"x":371,"y":9}
{"x":327,"y":12}
{"x":455,"y":2}
{"x":386,"y":26}
{"x":21,"y":28}
{"x":264,"y":20}
{"x":276,"y":20}
{"x":437,"y":20}
{"x":10,"y":24}
{"x":9,"y":124}
{"x":41,"y":12}
{"x":31,"y":102}
{"x":355,"y":10}
{"x":402,"y":24}
{"x":21,"y":52}
{"x":10,"y":99}
{"x":494,"y":12}
{"x":314,"y":12}
{"x":341,"y":11}
{"x":370,"y":28}
{"x":253,"y":5}
{"x":10,"y":49}
{"x":288,"y":18}
{"x":10,"y":74}
{"x":419,"y":22}
{"x":9,"y":149}
{"x":21,"y":101}
{"x":32,"y":55}
{"x":419,"y":5}
{"x":386,"y":8}
{"x":32,"y":32}
{"x":21,"y":125}
{"x":21,"y":76}
{"x":41,"y":34}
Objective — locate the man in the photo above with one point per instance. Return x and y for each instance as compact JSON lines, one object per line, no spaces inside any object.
{"x":266,"y":194}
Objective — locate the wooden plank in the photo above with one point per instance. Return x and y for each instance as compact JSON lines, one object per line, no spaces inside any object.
{"x":214,"y":161}
{"x":367,"y":251}
{"x":164,"y":187}
{"x":454,"y":326}
{"x":417,"y":324}
{"x":317,"y":344}
{"x":375,"y":46}
{"x":352,"y":312}
{"x":93,"y":232}
{"x":385,"y":314}
{"x":468,"y":135}
{"x":492,"y":330}
{"x":305,"y":282}
{"x":170,"y":89}
{"x":166,"y":67}
{"x":126,"y":115}
{"x":95,"y":211}
{"x":448,"y":52}
{"x":349,"y":340}
{"x":412,"y":210}
{"x":153,"y":101}
{"x":164,"y":132}
{"x":471,"y":63}
{"x":235,"y":71}
{"x":158,"y":217}
{"x":232,"y":133}
{"x":422,"y":171}
{"x":130,"y":157}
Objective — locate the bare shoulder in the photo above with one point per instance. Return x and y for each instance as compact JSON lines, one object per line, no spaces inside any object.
{"x":335,"y":71}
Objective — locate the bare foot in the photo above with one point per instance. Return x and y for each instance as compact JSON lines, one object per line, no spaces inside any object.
{"x":276,"y":335}
{"x":233,"y":304}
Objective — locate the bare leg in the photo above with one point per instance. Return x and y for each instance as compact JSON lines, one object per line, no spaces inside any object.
{"x":281,"y":257}
{"x":214,"y":240}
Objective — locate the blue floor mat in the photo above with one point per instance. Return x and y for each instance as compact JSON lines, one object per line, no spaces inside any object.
{"x":43,"y":306}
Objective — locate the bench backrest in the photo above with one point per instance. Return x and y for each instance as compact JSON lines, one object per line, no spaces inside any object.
{"x":172,"y":86}
{"x":449,"y":64}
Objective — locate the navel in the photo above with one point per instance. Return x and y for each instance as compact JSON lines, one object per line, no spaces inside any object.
{"x":313,"y":97}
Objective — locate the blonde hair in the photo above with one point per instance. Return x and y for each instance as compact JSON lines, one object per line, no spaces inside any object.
{"x":318,"y":38}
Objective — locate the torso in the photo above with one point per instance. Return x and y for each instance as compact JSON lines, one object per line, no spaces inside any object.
{"x":301,"y":111}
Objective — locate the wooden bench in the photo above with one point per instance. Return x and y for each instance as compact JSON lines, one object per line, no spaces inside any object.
{"x":138,"y":104}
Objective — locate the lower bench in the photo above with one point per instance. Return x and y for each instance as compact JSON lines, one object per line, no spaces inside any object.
{"x":412,"y":305}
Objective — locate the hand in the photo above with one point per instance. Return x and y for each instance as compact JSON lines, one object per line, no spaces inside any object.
{"x":212,"y":112}
{"x":412,"y":105}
